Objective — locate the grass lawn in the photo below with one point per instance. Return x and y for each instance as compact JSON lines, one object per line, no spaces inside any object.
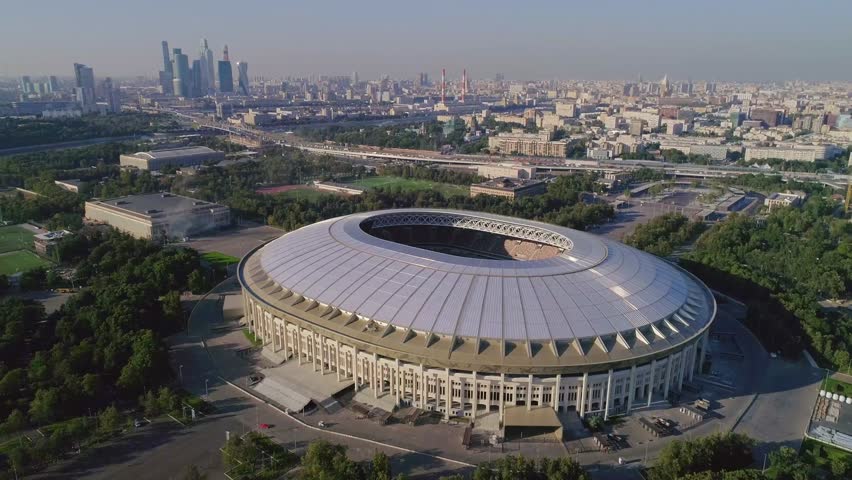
{"x":836,"y":386}
{"x":219,"y":259}
{"x":411,"y":185}
{"x":256,"y":341}
{"x":819,"y":454}
{"x":20,"y":261}
{"x":14,"y":237}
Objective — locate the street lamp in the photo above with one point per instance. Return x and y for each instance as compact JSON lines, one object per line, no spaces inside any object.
{"x":206,"y":392}
{"x":180,"y":373}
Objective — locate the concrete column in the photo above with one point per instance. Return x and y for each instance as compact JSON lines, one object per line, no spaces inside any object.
{"x":556,"y":392}
{"x":668,"y":379}
{"x":422,"y":387}
{"x":398,"y":382}
{"x":703,"y":351}
{"x":502,"y":393}
{"x":582,"y":408}
{"x":314,"y":350}
{"x":684,"y":359}
{"x":376,"y":381}
{"x":651,"y":382}
{"x":632,"y":392}
{"x":286,"y":340}
{"x":529,"y":392}
{"x":475,"y":402}
{"x":299,"y":343}
{"x":608,"y":394}
{"x":448,"y":398}
{"x":355,"y":367}
{"x":321,"y":354}
{"x":337,"y":358}
{"x":692,"y":353}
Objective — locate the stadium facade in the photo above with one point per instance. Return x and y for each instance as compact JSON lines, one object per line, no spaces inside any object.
{"x":467,"y":313}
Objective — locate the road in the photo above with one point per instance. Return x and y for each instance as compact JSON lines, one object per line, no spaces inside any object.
{"x":545,"y":163}
{"x":70,"y":144}
{"x":165,"y":449}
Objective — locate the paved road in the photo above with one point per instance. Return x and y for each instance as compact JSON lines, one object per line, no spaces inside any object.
{"x":165,"y":449}
{"x":70,"y":144}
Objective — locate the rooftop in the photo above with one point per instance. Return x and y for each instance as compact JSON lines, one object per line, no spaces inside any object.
{"x":174,"y":152}
{"x":594,"y":288}
{"x":508,"y":184}
{"x":153,"y":203}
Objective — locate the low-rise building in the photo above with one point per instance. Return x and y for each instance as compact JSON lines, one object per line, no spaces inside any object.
{"x":72,"y":185}
{"x":45,"y":243}
{"x":532,"y":144}
{"x":802,"y":153}
{"x":788,"y":199}
{"x":171,"y":157}
{"x":506,"y":170}
{"x":159,"y":216}
{"x":510,"y":188}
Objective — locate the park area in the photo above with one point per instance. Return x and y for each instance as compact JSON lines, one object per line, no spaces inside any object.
{"x":298,"y":192}
{"x":410,"y":185}
{"x":16,"y":242}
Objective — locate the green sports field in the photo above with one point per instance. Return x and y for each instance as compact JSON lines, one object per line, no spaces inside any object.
{"x":410,"y":185}
{"x":220,"y":259}
{"x":14,"y":237}
{"x":20,"y":261}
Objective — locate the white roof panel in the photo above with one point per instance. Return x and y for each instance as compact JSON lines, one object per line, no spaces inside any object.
{"x":595,"y":286}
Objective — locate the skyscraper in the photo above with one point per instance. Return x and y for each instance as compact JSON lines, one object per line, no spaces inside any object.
{"x":208,"y":76}
{"x":167,"y":62}
{"x":54,"y":83}
{"x":197,"y":74}
{"x":180,"y":67}
{"x":167,"y":74}
{"x":226,"y":74}
{"x":26,"y":84}
{"x":111,"y":95}
{"x":243,"y":82}
{"x":84,"y":90}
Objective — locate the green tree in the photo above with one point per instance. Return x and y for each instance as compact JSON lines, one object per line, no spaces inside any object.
{"x":380,"y":468}
{"x":172,"y":309}
{"x":45,"y":407}
{"x":841,"y":466}
{"x":145,"y":365}
{"x":109,"y":420}
{"x":197,"y":283}
{"x":714,"y":453}
{"x":326,"y":461}
{"x":16,"y":421}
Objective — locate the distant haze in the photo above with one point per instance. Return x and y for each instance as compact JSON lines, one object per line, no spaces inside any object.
{"x":747,"y":40}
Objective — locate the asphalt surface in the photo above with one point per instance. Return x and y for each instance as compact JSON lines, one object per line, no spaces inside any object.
{"x":165,"y":449}
{"x":60,"y":145}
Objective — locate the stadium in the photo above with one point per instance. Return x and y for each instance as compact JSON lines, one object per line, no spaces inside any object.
{"x":467,"y":313}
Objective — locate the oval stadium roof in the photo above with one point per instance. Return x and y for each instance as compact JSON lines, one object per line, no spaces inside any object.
{"x":595,"y":289}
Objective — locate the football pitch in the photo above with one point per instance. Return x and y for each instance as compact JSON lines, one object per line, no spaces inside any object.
{"x":14,"y":238}
{"x":20,"y":261}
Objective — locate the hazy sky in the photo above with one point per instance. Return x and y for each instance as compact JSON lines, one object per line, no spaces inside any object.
{"x":524,"y":39}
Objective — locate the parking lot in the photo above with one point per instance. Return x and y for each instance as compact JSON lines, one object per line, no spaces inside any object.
{"x":236,"y":241}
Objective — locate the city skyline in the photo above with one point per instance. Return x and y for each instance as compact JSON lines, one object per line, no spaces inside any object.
{"x":734,"y":41}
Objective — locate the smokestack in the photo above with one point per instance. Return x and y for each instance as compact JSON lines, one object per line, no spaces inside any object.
{"x":464,"y":83}
{"x":443,"y":85}
{"x":225,"y":55}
